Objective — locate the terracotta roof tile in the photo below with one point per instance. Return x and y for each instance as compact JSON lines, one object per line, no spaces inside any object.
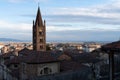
{"x":33,"y":57}
{"x":114,"y":46}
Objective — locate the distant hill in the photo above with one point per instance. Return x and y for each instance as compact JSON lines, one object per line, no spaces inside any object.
{"x":17,"y":40}
{"x":12,"y":40}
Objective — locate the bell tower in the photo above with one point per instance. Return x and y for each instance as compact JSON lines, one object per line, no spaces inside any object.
{"x":39,"y":33}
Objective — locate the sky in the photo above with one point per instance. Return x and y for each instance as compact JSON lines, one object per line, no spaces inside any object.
{"x":66,"y":20}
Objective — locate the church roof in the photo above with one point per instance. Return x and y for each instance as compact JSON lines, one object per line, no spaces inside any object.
{"x":40,"y":57}
{"x":32,"y":57}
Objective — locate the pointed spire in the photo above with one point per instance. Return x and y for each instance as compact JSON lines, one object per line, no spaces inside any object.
{"x":39,"y":18}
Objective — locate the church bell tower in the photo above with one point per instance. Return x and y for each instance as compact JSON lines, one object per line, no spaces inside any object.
{"x":39,"y":33}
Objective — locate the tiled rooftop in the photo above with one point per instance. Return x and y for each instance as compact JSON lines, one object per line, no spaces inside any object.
{"x":114,"y":46}
{"x":30,"y":56}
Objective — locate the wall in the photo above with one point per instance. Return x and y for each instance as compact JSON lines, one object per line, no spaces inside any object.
{"x":84,"y":74}
{"x":34,"y":69}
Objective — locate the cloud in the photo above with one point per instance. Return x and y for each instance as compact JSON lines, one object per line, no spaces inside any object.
{"x":104,"y":22}
{"x":20,"y":27}
{"x":103,"y":14}
{"x":78,"y":35}
{"x":108,"y":13}
{"x":41,"y":0}
{"x":18,"y":1}
{"x":82,"y":18}
{"x":23,"y":31}
{"x":20,"y":31}
{"x":15,"y":1}
{"x":83,"y":28}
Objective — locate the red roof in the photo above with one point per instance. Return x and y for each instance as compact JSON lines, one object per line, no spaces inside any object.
{"x":40,"y":57}
{"x":114,"y":46}
{"x":34,"y":57}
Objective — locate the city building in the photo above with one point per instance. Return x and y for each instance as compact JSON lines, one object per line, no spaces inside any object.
{"x":1,"y":46}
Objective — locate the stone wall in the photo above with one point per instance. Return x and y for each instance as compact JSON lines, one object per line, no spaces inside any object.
{"x":29,"y":70}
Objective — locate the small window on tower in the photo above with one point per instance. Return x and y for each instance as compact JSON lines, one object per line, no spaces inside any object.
{"x":40,"y":33}
{"x":41,"y":40}
{"x":41,"y":47}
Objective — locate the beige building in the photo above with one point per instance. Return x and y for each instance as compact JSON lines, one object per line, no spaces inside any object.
{"x":1,"y":46}
{"x":5,"y":49}
{"x":91,"y":47}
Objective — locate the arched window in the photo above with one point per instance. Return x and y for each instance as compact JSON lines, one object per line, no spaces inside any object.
{"x":46,"y":71}
{"x":41,"y":72}
{"x":41,"y":33}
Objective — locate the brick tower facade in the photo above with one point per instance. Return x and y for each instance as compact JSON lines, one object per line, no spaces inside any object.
{"x":39,"y":33}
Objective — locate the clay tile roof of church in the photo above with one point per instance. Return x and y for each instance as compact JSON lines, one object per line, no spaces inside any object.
{"x":34,"y":57}
{"x":40,"y":57}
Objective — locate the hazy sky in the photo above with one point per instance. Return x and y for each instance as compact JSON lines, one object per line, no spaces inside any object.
{"x":71,"y":20}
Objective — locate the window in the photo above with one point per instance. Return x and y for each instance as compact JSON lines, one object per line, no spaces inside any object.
{"x":45,"y":71}
{"x":40,"y":33}
{"x":41,"y":72}
{"x":41,"y":40}
{"x":41,"y":47}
